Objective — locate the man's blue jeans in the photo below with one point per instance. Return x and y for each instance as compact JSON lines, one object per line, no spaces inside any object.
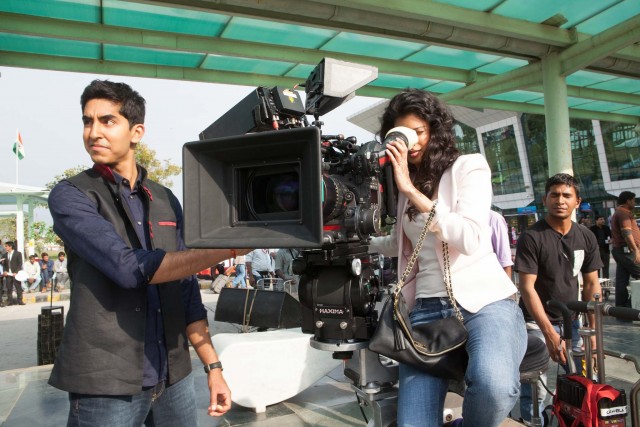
{"x":33,"y":286}
{"x":496,"y":346}
{"x":155,"y":406}
{"x":240,"y":277}
{"x":526,"y":403}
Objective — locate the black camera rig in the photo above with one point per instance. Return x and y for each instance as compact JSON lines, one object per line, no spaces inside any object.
{"x":261,"y":176}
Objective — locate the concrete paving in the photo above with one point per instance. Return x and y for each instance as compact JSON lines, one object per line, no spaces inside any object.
{"x":27,"y":400}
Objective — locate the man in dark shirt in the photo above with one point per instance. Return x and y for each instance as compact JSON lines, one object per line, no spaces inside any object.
{"x":12,"y":265}
{"x":46,"y":269}
{"x":603,"y":236}
{"x":124,"y":358}
{"x":549,"y":256}
{"x":625,"y":239}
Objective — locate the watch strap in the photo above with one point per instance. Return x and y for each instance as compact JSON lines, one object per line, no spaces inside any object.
{"x":211,"y":366}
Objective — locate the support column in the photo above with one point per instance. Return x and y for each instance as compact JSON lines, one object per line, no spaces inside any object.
{"x":20,"y":225}
{"x":556,"y":111}
{"x":30,"y":243}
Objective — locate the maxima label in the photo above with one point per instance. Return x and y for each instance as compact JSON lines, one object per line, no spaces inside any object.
{"x":332,"y":310}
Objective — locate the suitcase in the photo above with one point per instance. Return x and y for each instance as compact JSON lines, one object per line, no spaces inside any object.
{"x":221,"y":281}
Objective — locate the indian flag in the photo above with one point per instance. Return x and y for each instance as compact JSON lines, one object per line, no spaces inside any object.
{"x":18,"y":146}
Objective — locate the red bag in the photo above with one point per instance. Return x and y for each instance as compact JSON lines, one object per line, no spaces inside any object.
{"x":588,"y":414}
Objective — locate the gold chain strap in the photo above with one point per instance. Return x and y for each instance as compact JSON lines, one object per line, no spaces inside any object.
{"x":447,"y":281}
{"x":447,"y":264}
{"x":416,"y":250}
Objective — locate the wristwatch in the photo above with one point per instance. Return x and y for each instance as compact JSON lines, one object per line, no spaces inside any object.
{"x":215,"y":365}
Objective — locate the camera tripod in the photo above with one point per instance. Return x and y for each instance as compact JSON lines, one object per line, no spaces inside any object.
{"x":374,"y":381}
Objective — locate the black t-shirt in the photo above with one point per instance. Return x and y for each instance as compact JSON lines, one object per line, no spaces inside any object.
{"x":602,"y":234}
{"x":556,"y":260}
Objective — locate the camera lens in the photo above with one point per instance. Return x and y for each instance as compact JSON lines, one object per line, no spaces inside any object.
{"x":333,"y":198}
{"x":274,"y":193}
{"x":281,"y":192}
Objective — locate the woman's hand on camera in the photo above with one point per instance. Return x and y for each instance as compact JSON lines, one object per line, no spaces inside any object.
{"x":397,"y":153}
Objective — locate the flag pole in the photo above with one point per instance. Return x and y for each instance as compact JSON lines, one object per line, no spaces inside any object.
{"x":17,"y":156}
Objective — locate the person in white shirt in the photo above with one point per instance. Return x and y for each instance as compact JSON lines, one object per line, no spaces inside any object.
{"x":32,"y":268}
{"x":259,"y":266}
{"x":60,"y":271}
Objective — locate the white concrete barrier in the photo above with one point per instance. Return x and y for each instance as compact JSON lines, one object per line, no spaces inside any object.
{"x":263,"y":368}
{"x":634,"y":287}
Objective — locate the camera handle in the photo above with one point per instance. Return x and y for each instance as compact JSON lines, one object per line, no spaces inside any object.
{"x":391,"y":190}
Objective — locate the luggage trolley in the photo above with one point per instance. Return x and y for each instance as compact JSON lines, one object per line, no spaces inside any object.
{"x":270,"y":284}
{"x":275,"y":284}
{"x":571,"y":392}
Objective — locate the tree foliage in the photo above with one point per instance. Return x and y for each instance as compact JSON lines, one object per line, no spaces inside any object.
{"x":41,"y":233}
{"x":68,"y":173}
{"x":159,"y":171}
{"x":8,"y":228}
{"x":43,"y":236}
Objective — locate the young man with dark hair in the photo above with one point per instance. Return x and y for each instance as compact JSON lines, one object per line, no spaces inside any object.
{"x":61,"y":271}
{"x":46,"y":268}
{"x":124,"y":356}
{"x":12,"y":264}
{"x":32,"y":268}
{"x":603,"y":236}
{"x":625,"y":237}
{"x":549,"y":256}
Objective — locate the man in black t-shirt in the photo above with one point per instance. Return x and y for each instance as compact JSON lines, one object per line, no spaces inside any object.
{"x":549,"y":256}
{"x":603,"y":236}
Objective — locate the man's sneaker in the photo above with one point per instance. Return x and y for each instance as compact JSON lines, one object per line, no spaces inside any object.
{"x":455,"y":423}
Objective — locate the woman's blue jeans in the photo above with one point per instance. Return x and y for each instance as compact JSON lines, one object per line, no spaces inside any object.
{"x":496,"y":346}
{"x":155,"y":406}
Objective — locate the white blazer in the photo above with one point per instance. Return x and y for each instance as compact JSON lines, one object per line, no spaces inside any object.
{"x":461,"y":220}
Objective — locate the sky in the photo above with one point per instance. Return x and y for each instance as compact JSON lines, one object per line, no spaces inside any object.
{"x":45,"y":107}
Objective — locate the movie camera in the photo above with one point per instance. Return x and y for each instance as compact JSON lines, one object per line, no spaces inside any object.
{"x":262,"y":176}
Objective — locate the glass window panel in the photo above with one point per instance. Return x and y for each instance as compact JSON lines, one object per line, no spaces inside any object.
{"x":622,"y":145}
{"x":586,"y":163}
{"x":466,"y":138}
{"x":501,"y":151}
{"x":535,"y":141}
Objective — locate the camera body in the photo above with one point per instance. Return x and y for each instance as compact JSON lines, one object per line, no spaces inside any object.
{"x":262,"y":177}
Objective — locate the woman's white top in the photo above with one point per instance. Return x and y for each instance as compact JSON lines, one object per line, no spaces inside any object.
{"x":461,"y":220}
{"x":429,"y":278}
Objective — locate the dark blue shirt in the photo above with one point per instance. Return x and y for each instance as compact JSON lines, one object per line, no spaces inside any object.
{"x":46,"y":270}
{"x":80,"y":226}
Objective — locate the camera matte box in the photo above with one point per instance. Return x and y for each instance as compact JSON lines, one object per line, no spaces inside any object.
{"x":214,"y":171}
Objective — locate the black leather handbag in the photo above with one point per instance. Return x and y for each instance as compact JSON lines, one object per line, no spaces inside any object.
{"x":436,"y":348}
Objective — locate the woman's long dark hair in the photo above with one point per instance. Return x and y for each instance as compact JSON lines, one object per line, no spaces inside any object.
{"x":441,"y":151}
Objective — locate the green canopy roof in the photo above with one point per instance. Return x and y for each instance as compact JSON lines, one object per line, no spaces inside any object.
{"x":477,"y":53}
